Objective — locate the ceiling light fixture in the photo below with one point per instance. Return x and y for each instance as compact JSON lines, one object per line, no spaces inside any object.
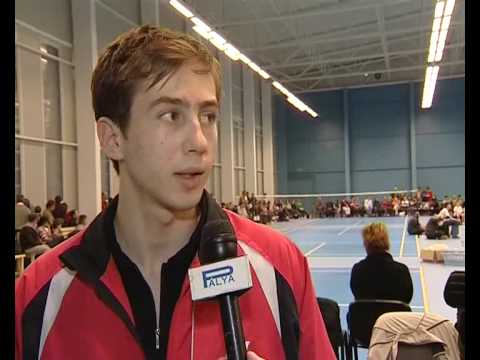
{"x":217,"y":40}
{"x":182,"y":9}
{"x":205,"y":31}
{"x":429,"y":86}
{"x":232,"y":52}
{"x":441,"y":23}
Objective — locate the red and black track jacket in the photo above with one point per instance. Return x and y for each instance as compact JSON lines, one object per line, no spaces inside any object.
{"x":71,"y":303}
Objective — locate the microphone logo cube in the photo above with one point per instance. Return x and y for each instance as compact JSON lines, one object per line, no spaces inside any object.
{"x":217,"y":277}
{"x":222,"y":277}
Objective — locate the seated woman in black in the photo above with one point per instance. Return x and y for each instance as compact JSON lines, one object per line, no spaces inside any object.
{"x":378,"y":276}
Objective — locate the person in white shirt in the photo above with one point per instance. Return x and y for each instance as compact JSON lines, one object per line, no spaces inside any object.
{"x":447,"y":220}
{"x":346,"y":209}
{"x":458,"y":211}
{"x":242,"y":210}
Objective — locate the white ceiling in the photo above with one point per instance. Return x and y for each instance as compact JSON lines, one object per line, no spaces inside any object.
{"x":311,"y":45}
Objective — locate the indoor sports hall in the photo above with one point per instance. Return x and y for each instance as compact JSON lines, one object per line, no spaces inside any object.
{"x":336,"y":117}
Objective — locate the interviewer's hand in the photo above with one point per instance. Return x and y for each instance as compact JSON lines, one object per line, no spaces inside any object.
{"x":250,"y":356}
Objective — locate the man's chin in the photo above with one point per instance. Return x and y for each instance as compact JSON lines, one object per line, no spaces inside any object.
{"x":186,"y":201}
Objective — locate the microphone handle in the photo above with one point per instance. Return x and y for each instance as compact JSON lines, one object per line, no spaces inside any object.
{"x":232,"y":327}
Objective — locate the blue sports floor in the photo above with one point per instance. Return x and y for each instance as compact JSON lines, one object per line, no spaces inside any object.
{"x":333,"y":245}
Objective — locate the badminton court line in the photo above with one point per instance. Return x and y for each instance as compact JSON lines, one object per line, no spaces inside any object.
{"x":299,"y":227}
{"x":349,"y":227}
{"x":402,"y":245}
{"x":314,"y":249}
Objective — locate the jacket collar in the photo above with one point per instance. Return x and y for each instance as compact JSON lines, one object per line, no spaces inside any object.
{"x":91,"y":257}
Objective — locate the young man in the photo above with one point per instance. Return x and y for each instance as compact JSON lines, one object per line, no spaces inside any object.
{"x":30,"y":239}
{"x":448,"y":220}
{"x":118,"y":289}
{"x":21,"y":213}
{"x":48,"y":212}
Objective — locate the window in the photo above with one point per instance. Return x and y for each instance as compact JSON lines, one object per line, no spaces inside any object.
{"x":45,"y":109}
{"x":18,"y":172}
{"x":54,"y":170}
{"x":51,"y":94}
{"x":259,"y":135}
{"x":238,"y":128}
{"x":52,"y":121}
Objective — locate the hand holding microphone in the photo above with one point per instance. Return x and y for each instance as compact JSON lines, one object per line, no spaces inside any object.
{"x":223,"y":276}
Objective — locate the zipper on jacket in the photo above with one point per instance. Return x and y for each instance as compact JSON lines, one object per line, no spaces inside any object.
{"x":157,"y":338}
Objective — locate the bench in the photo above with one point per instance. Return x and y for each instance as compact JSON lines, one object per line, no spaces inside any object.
{"x":19,"y":264}
{"x":67,"y":230}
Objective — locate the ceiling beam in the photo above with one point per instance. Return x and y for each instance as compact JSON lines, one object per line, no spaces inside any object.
{"x":384,"y":83}
{"x":356,"y":58}
{"x":315,"y":40}
{"x":358,"y":26}
{"x":381,"y":71}
{"x":365,"y":46}
{"x":322,"y":10}
{"x":383,"y":38}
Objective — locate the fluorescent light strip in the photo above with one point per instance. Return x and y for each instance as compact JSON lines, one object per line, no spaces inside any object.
{"x":218,"y":41}
{"x":264,"y":74}
{"x":429,"y":86}
{"x":436,"y":24}
{"x":440,"y":30}
{"x":439,"y":54}
{"x":245,"y":59}
{"x":312,"y":113}
{"x":254,"y":67}
{"x":446,"y":22}
{"x":201,"y":24}
{"x":449,"y":8}
{"x":439,"y":9}
{"x":426,"y":86}
{"x":182,"y":9}
{"x":297,"y":103}
{"x":201,"y":28}
{"x":433,"y":46}
{"x":233,"y":53}
{"x":441,"y":45}
{"x":201,"y":31}
{"x":279,"y":86}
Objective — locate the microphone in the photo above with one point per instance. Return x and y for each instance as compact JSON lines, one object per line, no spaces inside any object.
{"x":222,"y":276}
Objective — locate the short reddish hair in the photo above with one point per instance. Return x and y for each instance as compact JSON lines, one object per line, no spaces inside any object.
{"x":143,"y":53}
{"x":375,"y":238}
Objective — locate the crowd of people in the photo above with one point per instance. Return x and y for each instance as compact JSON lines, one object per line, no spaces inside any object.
{"x":441,"y":225}
{"x":38,"y":230}
{"x":266,"y":211}
{"x":423,"y":202}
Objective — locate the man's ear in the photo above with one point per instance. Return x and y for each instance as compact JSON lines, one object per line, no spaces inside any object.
{"x":110,"y":137}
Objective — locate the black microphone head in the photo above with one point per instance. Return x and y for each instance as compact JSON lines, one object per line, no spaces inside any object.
{"x":217,"y":243}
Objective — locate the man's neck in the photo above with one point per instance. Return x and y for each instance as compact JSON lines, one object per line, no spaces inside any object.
{"x":150,"y":234}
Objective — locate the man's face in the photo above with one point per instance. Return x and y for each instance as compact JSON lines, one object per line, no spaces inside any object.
{"x":169,"y":147}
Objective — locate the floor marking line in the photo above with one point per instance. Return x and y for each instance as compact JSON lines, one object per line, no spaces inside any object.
{"x":315,"y":249}
{"x":349,"y":227}
{"x":417,"y":241}
{"x":402,"y":244}
{"x":424,"y":291}
{"x":299,"y":227}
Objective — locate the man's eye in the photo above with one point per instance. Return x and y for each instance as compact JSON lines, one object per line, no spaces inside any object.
{"x":170,"y":116}
{"x":208,"y":117}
